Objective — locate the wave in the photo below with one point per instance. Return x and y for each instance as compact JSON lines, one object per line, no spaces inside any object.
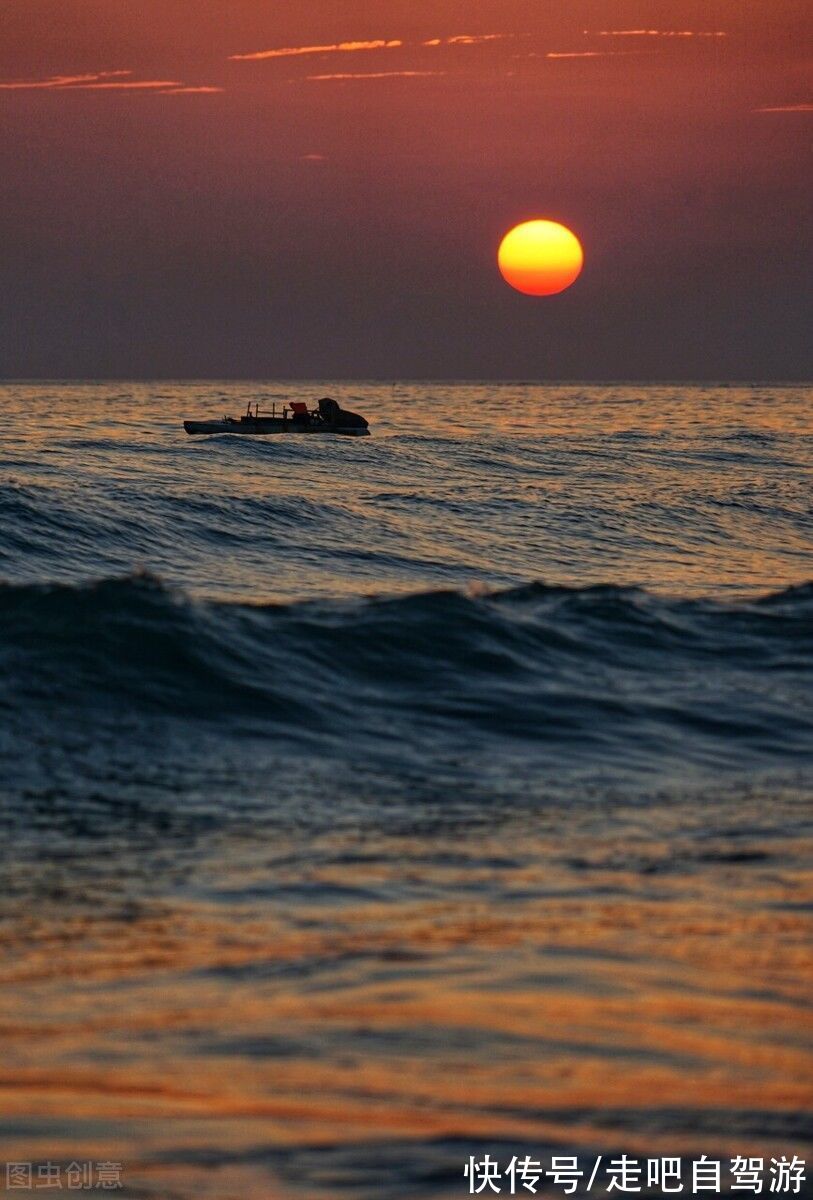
{"x":572,"y":675}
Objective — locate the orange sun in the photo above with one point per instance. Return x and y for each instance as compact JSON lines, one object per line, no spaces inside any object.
{"x":540,"y":258}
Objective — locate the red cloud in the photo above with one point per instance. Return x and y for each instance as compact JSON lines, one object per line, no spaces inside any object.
{"x":334,"y":48}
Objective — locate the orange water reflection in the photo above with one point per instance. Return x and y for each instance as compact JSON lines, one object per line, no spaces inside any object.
{"x":534,"y":999}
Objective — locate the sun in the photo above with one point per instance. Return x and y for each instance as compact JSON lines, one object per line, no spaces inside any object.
{"x":540,"y":258}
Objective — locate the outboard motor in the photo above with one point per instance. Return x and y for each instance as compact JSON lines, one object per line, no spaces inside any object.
{"x":333,"y":414}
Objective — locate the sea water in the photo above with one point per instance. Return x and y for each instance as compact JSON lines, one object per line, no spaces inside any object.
{"x":373,"y":804}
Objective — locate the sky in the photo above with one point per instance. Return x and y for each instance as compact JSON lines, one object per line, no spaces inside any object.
{"x":252,"y":189}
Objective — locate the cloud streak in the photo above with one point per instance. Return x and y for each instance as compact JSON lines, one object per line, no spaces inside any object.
{"x":135,"y":85}
{"x":656,"y":33}
{"x":785,"y":108}
{"x":203,"y":90}
{"x":373,"y":75}
{"x":593,"y":53}
{"x":460,"y":39}
{"x":333,"y":48}
{"x":102,"y":81}
{"x":466,"y":39}
{"x":59,"y":81}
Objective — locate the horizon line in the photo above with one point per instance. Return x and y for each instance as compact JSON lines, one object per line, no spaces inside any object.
{"x":416,"y":379}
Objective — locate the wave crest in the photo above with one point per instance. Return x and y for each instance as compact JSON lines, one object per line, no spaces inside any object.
{"x":607,"y":672}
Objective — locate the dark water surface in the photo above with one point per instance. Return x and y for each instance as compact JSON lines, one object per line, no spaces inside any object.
{"x":367,"y":804}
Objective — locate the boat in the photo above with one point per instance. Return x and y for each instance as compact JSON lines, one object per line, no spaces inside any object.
{"x":294,"y":417}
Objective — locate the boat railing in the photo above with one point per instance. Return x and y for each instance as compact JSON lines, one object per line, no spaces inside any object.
{"x":254,"y":412}
{"x":287,"y":412}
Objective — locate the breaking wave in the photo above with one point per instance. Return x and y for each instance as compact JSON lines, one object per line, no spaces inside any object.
{"x":599,"y":674}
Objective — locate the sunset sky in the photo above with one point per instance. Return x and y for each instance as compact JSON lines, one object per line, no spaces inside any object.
{"x":241,"y":188}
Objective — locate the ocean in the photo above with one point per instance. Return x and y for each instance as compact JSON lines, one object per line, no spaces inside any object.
{"x":372,"y":808}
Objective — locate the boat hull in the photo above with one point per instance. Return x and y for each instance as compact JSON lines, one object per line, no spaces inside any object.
{"x":262,"y":426}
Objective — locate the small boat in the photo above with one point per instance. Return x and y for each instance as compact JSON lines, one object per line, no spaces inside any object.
{"x":296,"y":417}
